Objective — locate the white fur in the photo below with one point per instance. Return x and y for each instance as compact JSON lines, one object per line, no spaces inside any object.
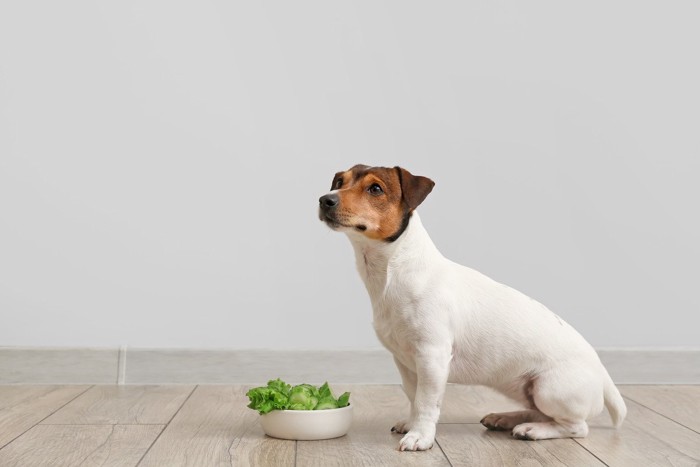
{"x":444,"y":322}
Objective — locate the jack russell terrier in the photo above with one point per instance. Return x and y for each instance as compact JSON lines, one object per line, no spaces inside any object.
{"x":444,"y":322}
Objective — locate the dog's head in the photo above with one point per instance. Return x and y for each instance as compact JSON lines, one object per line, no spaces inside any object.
{"x":374,"y":201}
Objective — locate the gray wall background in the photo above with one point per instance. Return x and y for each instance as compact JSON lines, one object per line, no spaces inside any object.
{"x":160,"y":163}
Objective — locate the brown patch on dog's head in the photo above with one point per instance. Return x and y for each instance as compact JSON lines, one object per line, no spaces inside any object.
{"x":376,"y":201}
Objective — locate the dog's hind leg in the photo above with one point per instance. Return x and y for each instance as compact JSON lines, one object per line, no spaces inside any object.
{"x":549,"y":430}
{"x":508,"y":420}
{"x":568,"y":396}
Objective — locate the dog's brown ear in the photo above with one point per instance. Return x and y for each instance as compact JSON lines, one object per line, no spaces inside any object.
{"x":414,"y":188}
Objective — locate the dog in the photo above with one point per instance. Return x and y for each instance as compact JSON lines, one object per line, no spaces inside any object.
{"x":444,"y":322}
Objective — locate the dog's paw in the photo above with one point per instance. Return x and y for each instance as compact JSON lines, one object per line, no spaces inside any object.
{"x":525,"y":431}
{"x":550,"y":430}
{"x":401,"y":427}
{"x":416,"y":441}
{"x":496,"y":422}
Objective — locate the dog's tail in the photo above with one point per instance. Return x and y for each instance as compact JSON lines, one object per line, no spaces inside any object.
{"x":613,"y":400}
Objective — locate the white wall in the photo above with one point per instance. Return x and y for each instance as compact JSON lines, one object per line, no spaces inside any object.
{"x":160,"y":163}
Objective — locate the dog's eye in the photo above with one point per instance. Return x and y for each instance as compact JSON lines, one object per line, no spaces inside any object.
{"x":338,"y":183}
{"x":375,"y":189}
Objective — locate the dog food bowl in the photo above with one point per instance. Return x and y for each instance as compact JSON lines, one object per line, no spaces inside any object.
{"x":304,"y":425}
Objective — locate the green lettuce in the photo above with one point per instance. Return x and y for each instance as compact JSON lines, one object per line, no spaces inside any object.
{"x":327,"y":403}
{"x":275,"y":396}
{"x":344,"y":399}
{"x":303,"y":397}
{"x":278,"y":395}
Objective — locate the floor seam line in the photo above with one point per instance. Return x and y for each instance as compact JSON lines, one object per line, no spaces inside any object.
{"x":459,"y":423}
{"x":591,"y":452}
{"x":104,"y":424}
{"x":165,"y":427}
{"x":449,"y":462}
{"x":659,"y":413}
{"x":39,"y":422}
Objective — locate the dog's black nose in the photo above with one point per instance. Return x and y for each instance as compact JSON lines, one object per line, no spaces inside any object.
{"x":328,"y":201}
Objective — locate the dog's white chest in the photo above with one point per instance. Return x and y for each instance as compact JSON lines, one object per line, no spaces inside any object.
{"x":392,"y":330}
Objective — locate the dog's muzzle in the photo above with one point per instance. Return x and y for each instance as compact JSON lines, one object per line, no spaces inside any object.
{"x":328,"y":202}
{"x":326,"y":208}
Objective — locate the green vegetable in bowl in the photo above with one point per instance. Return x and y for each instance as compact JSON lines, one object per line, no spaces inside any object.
{"x":279,"y":386}
{"x":327,"y":403}
{"x":278,"y":395}
{"x":303,"y":397}
{"x":344,"y":399}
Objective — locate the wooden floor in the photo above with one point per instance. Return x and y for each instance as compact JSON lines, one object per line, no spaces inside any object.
{"x":211,"y":426}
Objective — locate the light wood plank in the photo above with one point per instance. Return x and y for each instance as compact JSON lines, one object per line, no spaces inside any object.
{"x":370,"y":441}
{"x":645,"y":438}
{"x":111,"y":405}
{"x":469,"y":404}
{"x":680,"y":403}
{"x":214,"y":427}
{"x":461,"y":404}
{"x":84,"y":445}
{"x":254,"y":448}
{"x":472,"y":444}
{"x":22,"y":407}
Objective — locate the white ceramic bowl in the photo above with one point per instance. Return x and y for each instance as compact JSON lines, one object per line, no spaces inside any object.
{"x":307,"y":424}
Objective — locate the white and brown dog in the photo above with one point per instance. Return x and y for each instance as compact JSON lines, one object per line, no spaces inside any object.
{"x":444,"y":322}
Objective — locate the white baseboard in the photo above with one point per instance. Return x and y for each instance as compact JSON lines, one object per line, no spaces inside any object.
{"x":22,"y":365}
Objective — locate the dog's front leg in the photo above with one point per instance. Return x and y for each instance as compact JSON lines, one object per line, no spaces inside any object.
{"x":432,"y":370}
{"x":409,"y":381}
